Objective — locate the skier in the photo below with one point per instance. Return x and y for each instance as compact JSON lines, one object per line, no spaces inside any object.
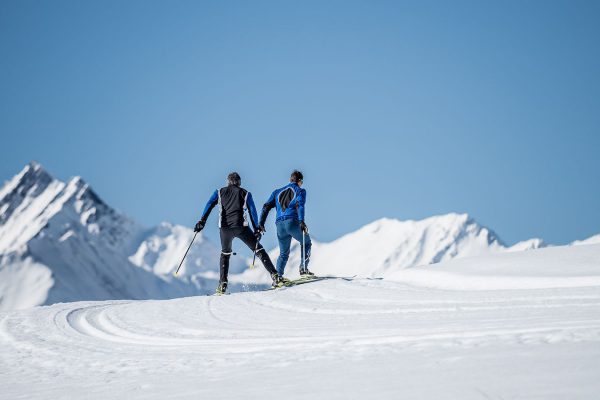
{"x":289,"y":202}
{"x":234,"y":201}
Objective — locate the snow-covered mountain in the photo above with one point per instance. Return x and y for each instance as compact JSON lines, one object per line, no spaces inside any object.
{"x":389,"y":245}
{"x":60,"y":242}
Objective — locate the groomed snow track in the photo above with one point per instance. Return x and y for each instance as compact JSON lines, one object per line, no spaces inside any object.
{"x":329,"y":339}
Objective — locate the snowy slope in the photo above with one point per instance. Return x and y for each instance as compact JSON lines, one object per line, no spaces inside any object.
{"x":60,"y":242}
{"x":551,"y":267}
{"x":529,"y":338}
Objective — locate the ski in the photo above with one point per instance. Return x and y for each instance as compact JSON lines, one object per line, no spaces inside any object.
{"x":295,"y":282}
{"x":306,"y":280}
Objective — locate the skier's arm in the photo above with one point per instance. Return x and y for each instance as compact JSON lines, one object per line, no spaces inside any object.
{"x":252,"y":211}
{"x":266,"y":208}
{"x":210,"y":204}
{"x":300,"y":201}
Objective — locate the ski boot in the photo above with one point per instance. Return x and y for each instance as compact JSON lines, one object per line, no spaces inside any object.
{"x":306,"y":274}
{"x":279,"y":281}
{"x":221,"y":289}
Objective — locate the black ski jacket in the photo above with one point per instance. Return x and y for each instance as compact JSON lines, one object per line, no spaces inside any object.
{"x":234,"y":201}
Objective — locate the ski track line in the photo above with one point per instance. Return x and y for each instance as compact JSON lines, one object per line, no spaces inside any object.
{"x":93,"y":323}
{"x":17,"y":340}
{"x":38,"y":352}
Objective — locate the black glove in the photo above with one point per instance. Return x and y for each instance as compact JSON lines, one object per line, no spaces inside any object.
{"x":258,"y":232}
{"x":199,"y":226}
{"x":304,"y":227}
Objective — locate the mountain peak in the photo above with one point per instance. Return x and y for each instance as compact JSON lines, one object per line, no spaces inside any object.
{"x":31,"y":180}
{"x":81,"y":190}
{"x":33,"y":170}
{"x":34,"y":165}
{"x":448,"y":220}
{"x":452,"y":218}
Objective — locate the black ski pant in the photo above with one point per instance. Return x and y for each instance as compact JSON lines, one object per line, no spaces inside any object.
{"x":245,"y":234}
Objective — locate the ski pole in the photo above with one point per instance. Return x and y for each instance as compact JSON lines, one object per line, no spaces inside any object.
{"x":303,"y":252}
{"x":304,"y":248}
{"x":254,"y":258}
{"x":186,"y":252}
{"x":255,"y":248}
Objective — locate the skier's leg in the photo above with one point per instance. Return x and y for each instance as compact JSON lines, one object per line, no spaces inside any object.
{"x":250,"y":240}
{"x":227,"y":235}
{"x":296,"y":233}
{"x":285,"y":241}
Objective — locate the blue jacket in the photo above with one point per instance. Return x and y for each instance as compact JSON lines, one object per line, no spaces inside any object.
{"x":288,"y":201}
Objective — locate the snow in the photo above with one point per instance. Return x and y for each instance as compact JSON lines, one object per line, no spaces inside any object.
{"x":23,"y":282}
{"x":433,"y":309}
{"x":591,"y":240}
{"x":334,"y":339}
{"x":530,"y":244}
{"x":547,"y":268}
{"x":12,"y":184}
{"x":28,"y":218}
{"x":60,"y":242}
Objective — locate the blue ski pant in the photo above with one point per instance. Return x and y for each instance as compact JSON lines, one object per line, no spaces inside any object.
{"x":286,"y":230}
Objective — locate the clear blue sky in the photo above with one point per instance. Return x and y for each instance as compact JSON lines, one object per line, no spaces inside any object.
{"x":391,"y":109}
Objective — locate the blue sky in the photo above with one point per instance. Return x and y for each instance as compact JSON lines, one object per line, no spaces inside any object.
{"x":391,"y":109}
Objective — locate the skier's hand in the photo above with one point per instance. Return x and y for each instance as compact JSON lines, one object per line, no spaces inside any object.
{"x":199,"y":226}
{"x":304,"y":227}
{"x":258,"y":233}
